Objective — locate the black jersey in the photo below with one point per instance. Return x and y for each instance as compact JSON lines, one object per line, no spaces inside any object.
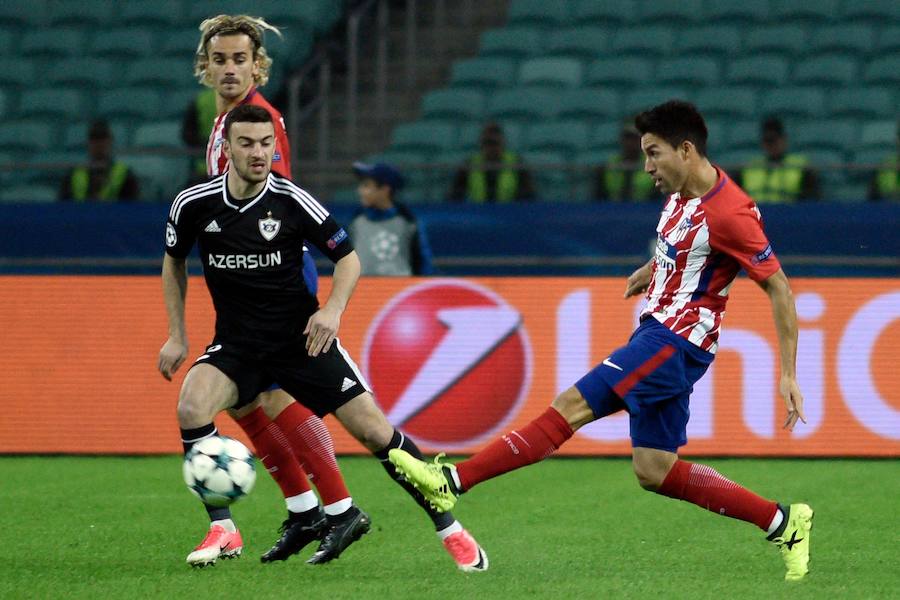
{"x":252,"y":254}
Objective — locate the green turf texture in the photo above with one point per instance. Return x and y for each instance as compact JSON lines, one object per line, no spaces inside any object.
{"x":96,"y":527}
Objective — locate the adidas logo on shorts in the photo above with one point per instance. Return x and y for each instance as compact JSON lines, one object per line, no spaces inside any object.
{"x":348,"y":383}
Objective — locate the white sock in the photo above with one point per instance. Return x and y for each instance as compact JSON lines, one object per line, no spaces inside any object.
{"x":776,"y":522}
{"x":339,"y":507}
{"x":455,"y":477}
{"x":302,"y":502}
{"x":226,"y":524}
{"x":446,"y":532}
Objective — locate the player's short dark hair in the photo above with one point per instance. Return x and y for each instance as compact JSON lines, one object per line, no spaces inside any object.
{"x":675,"y":121}
{"x":246,"y":113}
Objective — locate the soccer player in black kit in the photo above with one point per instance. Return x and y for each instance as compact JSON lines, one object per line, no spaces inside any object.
{"x":250,"y":225}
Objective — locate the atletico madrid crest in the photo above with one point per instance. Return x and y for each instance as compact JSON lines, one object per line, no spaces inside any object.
{"x":269,"y":227}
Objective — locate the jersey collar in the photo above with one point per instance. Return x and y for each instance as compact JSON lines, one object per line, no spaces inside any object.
{"x":226,"y":197}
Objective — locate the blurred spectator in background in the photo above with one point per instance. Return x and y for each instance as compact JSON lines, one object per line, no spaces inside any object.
{"x":885,"y":184}
{"x":384,"y":232}
{"x":623,"y":176}
{"x":102,"y":179}
{"x":779,"y":176}
{"x":196,"y":126}
{"x":493,"y":174}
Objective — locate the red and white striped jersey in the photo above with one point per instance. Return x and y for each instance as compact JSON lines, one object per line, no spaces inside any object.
{"x":217,"y":163}
{"x":702,"y":244}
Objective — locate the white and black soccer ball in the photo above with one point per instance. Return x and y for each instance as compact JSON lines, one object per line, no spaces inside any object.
{"x":219,"y":470}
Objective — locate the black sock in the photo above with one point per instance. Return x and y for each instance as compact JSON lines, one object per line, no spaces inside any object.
{"x":440,"y":520}
{"x":189,"y":437}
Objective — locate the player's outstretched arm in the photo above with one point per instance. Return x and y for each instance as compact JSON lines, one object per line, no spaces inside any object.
{"x":322,"y":327}
{"x":174,"y":351}
{"x":785,"y":313}
{"x":639,"y":281}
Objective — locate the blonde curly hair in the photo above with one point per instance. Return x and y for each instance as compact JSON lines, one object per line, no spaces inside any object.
{"x":253,"y":27}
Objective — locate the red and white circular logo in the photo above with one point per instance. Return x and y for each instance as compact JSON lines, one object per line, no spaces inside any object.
{"x":449,"y":362}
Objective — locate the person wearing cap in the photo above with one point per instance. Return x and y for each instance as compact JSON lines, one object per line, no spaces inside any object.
{"x":387,"y":237}
{"x":493,"y":174}
{"x":103,"y":179}
{"x":622,"y":178}
{"x":885,"y":184}
{"x":778,"y":175}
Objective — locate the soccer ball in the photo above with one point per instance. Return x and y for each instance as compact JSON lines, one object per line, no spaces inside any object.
{"x":219,"y":470}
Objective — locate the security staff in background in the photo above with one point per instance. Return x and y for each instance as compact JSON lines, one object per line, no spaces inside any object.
{"x":885,"y":184}
{"x":103,"y":179}
{"x":493,"y":174}
{"x":779,"y":175}
{"x":623,"y":178}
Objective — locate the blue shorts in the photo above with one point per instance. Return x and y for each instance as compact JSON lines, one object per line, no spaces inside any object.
{"x":651,"y":377}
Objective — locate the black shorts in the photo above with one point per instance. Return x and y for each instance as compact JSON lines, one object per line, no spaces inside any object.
{"x":322,"y":384}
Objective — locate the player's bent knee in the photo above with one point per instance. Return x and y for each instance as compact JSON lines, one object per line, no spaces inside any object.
{"x":365,"y":421}
{"x":192,"y":413}
{"x":572,"y":405}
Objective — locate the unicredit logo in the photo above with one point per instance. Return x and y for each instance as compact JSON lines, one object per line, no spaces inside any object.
{"x":449,"y":362}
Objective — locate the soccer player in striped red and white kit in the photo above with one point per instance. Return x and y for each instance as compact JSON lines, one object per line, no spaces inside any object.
{"x":232,"y":60}
{"x":709,"y":230}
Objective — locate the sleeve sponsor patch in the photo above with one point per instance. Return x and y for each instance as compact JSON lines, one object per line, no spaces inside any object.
{"x":276,"y":157}
{"x":336,"y":239}
{"x":762,"y":256}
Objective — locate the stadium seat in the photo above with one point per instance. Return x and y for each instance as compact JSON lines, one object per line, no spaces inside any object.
{"x":174,"y":102}
{"x":96,"y":13}
{"x":55,"y":42}
{"x":889,"y":40}
{"x":586,"y":43}
{"x":51,"y":103}
{"x":627,"y":71}
{"x":716,"y":41}
{"x":3,"y":102}
{"x":794,"y":101}
{"x":29,"y":193}
{"x":15,"y":14}
{"x":827,"y":164}
{"x":20,"y":72}
{"x":402,"y":159}
{"x":788,"y":38}
{"x":644,"y":99}
{"x":868,"y":103}
{"x":545,"y":13}
{"x":881,"y":134}
{"x":180,"y":43}
{"x":144,"y":13}
{"x":483,"y":72}
{"x":124,"y":42}
{"x":728,"y":102}
{"x":826,"y":134}
{"x":197,"y":10}
{"x":874,"y":11}
{"x":551,"y":182}
{"x":652,"y":40}
{"x":26,"y":136}
{"x":743,"y":136}
{"x":853,"y":38}
{"x":470,"y":132}
{"x":604,"y":136}
{"x":7,"y":42}
{"x":67,"y":159}
{"x":871,"y":157}
{"x":805,"y":12}
{"x":424,"y":136}
{"x":733,"y":160}
{"x":453,"y":104}
{"x":159,"y":134}
{"x":828,"y":69}
{"x":160,"y":177}
{"x":737,"y":11}
{"x":514,"y":42}
{"x":604,"y":12}
{"x":675,"y":14}
{"x":586,"y":103}
{"x":167,"y":72}
{"x":688,"y":71}
{"x":83,"y":73}
{"x":557,"y":72}
{"x":345,"y":196}
{"x":318,"y":15}
{"x":762,"y":70}
{"x":885,"y":69}
{"x":523,"y":103}
{"x":566,"y":137}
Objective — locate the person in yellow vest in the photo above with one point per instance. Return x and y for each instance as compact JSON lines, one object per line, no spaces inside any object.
{"x":885,"y":184}
{"x":493,"y":174}
{"x":196,"y":126}
{"x":622,"y":178}
{"x":102,"y":179}
{"x":779,"y":175}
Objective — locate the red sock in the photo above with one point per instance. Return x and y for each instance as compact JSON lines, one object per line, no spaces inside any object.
{"x":704,"y":487}
{"x":314,"y":447}
{"x":536,"y":441}
{"x":275,"y":452}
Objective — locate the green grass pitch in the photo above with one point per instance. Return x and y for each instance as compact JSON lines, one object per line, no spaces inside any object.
{"x":567,"y":528}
